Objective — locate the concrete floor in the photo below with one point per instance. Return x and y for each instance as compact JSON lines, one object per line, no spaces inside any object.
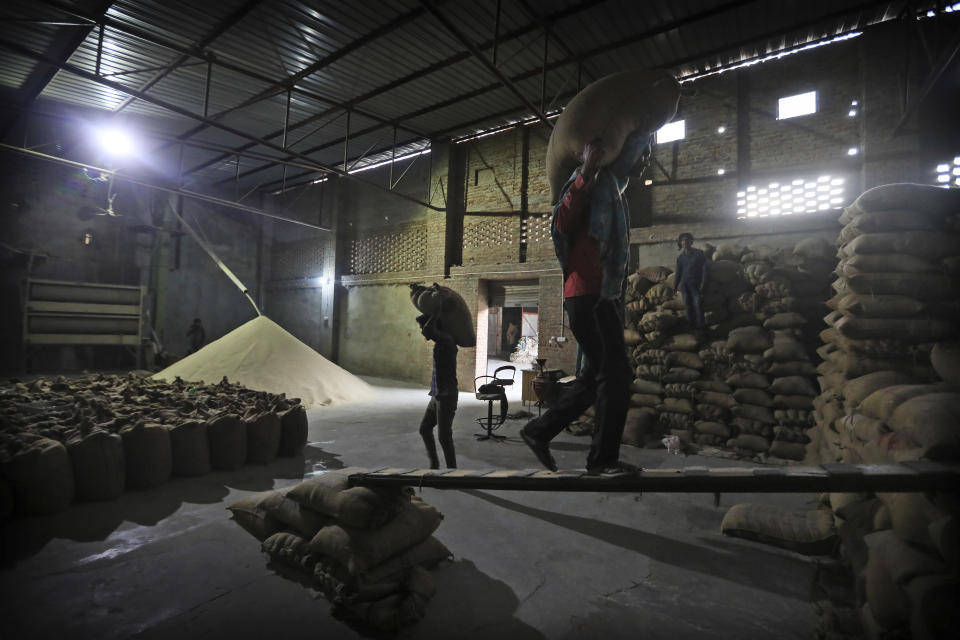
{"x":168,"y":563}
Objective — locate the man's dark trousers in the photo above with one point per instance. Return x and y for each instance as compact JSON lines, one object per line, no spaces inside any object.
{"x":691,"y":300}
{"x":597,"y":324}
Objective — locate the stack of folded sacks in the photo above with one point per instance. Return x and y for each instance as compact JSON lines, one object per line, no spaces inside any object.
{"x":367,"y":551}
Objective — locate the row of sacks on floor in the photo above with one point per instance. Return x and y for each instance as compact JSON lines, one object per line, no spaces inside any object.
{"x":367,"y":551}
{"x":751,"y":393}
{"x":117,"y":442}
{"x":901,"y":550}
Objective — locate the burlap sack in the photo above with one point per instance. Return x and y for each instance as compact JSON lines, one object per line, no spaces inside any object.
{"x":147,"y":455}
{"x":793,"y":386}
{"x":649,"y":387}
{"x":907,"y":196}
{"x":787,"y":401}
{"x":886,"y":263}
{"x":931,"y":421}
{"x":252,"y":513}
{"x":787,"y":450}
{"x":754,"y":412}
{"x":640,"y":426}
{"x":883,"y":402}
{"x":42,"y":478}
{"x":455,"y":316}
{"x":712,"y":428}
{"x":925,"y":286}
{"x":357,"y":507}
{"x":879,"y":306}
{"x":815,"y":248}
{"x":293,"y":431}
{"x":749,"y":340}
{"x":610,"y":109}
{"x":645,"y":400}
{"x":753,"y":396}
{"x":263,"y":437}
{"x":749,"y":379}
{"x":945,"y":359}
{"x":931,"y":245}
{"x":917,"y":329}
{"x":807,"y":532}
{"x":189,"y":449}
{"x":227,"y":436}
{"x":680,"y":374}
{"x":358,"y":550}
{"x":792,"y":368}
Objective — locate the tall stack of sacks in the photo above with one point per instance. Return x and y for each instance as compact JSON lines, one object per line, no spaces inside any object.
{"x":891,"y":393}
{"x":367,"y":551}
{"x":896,"y":298}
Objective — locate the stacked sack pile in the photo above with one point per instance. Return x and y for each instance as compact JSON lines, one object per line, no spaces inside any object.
{"x":891,"y":393}
{"x":749,"y":386}
{"x":90,"y":438}
{"x":367,"y":551}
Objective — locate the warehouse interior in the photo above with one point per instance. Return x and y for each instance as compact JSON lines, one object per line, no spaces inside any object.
{"x":294,"y":175}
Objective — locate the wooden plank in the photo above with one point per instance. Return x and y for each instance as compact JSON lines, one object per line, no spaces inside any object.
{"x":918,"y":476}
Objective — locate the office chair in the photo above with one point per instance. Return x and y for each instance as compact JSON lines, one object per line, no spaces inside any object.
{"x":491,"y":391}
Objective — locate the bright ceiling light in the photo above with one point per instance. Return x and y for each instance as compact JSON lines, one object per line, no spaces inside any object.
{"x":115,"y":141}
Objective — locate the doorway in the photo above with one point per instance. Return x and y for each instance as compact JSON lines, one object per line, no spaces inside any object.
{"x":513,"y":330}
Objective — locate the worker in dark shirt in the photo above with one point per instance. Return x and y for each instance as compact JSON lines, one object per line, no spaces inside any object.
{"x":443,"y":392}
{"x":590,"y":231}
{"x":690,"y":277}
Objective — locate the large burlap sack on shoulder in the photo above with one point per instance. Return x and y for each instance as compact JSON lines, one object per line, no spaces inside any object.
{"x":147,"y":455}
{"x":610,"y":108}
{"x":879,"y":306}
{"x":931,"y":245}
{"x":945,"y":359}
{"x":99,"y":471}
{"x":807,"y":532}
{"x":358,"y":550}
{"x":357,"y":507}
{"x":455,"y":316}
{"x":263,"y":437}
{"x":189,"y":449}
{"x":227,"y":437}
{"x":752,"y":339}
{"x":931,"y":421}
{"x":923,"y":198}
{"x":42,"y":478}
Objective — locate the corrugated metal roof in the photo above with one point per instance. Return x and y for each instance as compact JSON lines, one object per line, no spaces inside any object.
{"x":386,"y":61}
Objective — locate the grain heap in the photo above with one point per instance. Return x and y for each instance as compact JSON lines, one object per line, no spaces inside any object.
{"x":749,"y":388}
{"x":261,"y":355}
{"x":891,"y":392}
{"x":91,"y":438}
{"x":367,"y":551}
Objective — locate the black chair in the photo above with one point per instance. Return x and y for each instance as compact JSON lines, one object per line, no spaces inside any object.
{"x":492,"y":390}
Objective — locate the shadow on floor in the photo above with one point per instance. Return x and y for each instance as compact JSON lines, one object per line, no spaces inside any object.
{"x":751,"y":566}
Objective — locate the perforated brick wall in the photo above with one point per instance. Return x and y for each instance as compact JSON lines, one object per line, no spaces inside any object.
{"x":402,"y":250}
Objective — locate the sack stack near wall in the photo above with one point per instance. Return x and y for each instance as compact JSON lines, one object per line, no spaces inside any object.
{"x":748,"y":385}
{"x":91,"y":438}
{"x":890,"y":393}
{"x":367,"y":551}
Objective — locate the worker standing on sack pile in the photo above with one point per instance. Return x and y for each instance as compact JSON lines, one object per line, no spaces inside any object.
{"x":689,"y":278}
{"x":443,"y":391}
{"x":590,"y":231}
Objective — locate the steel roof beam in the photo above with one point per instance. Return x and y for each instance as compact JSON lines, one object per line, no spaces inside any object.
{"x":146,"y":36}
{"x":482,"y":59}
{"x":224,"y":25}
{"x":61,"y":50}
{"x":23,"y":51}
{"x":416,"y":75}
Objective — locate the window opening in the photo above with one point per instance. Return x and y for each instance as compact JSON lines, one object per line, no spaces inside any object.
{"x":791,"y":197}
{"x":676,"y":130}
{"x":948,"y":173}
{"x":795,"y":106}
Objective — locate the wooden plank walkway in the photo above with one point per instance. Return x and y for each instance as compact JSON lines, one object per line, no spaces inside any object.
{"x":905,"y":476}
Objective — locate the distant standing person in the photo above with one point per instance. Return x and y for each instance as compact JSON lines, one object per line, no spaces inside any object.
{"x":443,"y":392}
{"x":690,"y":278}
{"x":197,"y":336}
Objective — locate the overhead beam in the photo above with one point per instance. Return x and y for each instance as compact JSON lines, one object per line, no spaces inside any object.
{"x":61,"y":51}
{"x":416,"y":75}
{"x":21,"y":50}
{"x":224,"y":25}
{"x":482,"y":59}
